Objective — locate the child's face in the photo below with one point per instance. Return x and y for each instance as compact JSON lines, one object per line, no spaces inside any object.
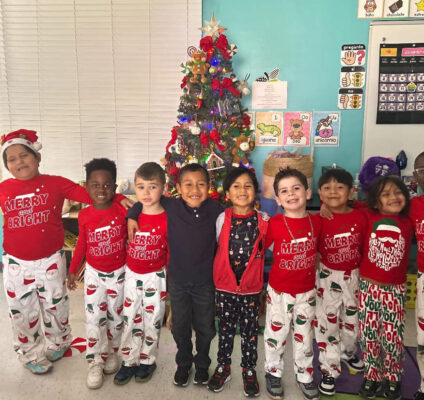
{"x":193,"y":188}
{"x":101,"y":188}
{"x":148,"y":191}
{"x":391,"y":200}
{"x":419,"y":172}
{"x":242,"y":192}
{"x":21,"y":163}
{"x":335,"y":195}
{"x":292,"y":195}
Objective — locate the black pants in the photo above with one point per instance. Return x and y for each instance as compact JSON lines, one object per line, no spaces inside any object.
{"x":233,"y":309}
{"x":192,"y":307}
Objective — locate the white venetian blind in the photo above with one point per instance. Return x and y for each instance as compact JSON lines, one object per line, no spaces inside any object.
{"x":94,"y":78}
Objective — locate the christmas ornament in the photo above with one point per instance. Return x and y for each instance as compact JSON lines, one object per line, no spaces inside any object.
{"x":213,"y":70}
{"x":194,"y":129}
{"x":199,"y":101}
{"x":212,"y":28}
{"x":243,"y":87}
{"x":227,"y":84}
{"x":232,"y":50}
{"x":199,"y":66}
{"x":184,"y":68}
{"x":240,"y":150}
{"x":214,"y":162}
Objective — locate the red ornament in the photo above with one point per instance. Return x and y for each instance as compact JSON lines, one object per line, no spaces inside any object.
{"x":214,"y":195}
{"x":199,"y":103}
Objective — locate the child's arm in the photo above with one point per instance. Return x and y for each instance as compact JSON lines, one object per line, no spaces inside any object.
{"x":132,"y":219}
{"x":78,"y":257}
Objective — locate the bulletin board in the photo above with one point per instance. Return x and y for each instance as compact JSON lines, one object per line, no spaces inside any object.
{"x":395,"y":65}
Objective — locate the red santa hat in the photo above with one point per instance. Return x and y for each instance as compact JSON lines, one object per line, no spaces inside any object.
{"x":22,"y":136}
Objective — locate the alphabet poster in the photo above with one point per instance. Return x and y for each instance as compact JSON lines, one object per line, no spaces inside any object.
{"x":326,"y":128}
{"x":269,"y":125}
{"x":297,"y":128}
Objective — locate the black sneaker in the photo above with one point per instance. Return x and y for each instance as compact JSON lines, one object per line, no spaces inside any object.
{"x":124,"y":375}
{"x":201,"y":377}
{"x":144,"y":372}
{"x":327,"y":385}
{"x":274,"y":388}
{"x":392,"y":390}
{"x":250,"y":382}
{"x":221,"y":376}
{"x":309,"y":390}
{"x":354,"y":363}
{"x":181,"y":376}
{"x":419,"y":396}
{"x":369,"y":389}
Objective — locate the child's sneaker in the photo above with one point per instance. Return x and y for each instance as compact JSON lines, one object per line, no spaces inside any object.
{"x":419,"y":396}
{"x":95,"y":376}
{"x":309,"y":390}
{"x":53,"y":355}
{"x":250,"y":382}
{"x":124,"y":375}
{"x":201,"y":377}
{"x":181,"y":376}
{"x":354,"y":363}
{"x":111,"y":364}
{"x":327,"y":385}
{"x":39,"y":367}
{"x":369,"y":389}
{"x":221,"y":376}
{"x":144,"y":372}
{"x":274,"y":388}
{"x":392,"y":390}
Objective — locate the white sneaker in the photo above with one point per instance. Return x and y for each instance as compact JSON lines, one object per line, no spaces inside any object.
{"x":112,"y":364}
{"x":95,"y":376}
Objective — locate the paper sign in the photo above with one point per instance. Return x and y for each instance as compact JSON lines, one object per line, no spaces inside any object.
{"x":297,"y":128}
{"x":416,"y":8}
{"x":352,"y":77}
{"x":396,"y":8}
{"x":353,"y":55}
{"x":268,"y":95}
{"x":269,"y":126}
{"x":326,"y":128}
{"x":370,"y":8}
{"x":350,"y":99}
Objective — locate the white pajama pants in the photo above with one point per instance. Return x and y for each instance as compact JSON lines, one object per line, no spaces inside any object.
{"x":38,"y":304}
{"x":103,"y":295}
{"x":144,"y":308}
{"x":419,"y":317}
{"x":284,"y":311}
{"x":337,"y":317}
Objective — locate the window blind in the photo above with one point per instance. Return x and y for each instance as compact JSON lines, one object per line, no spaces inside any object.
{"x":94,"y":78}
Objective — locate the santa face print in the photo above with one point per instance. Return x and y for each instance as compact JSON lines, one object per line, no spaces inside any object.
{"x":242,"y":194}
{"x":335,"y":195}
{"x":101,"y":188}
{"x":292,"y":196}
{"x":391,"y":200}
{"x":21,"y":163}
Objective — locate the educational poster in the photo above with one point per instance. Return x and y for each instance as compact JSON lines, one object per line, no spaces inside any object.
{"x":401,"y":84}
{"x":326,"y":128}
{"x":352,"y":77}
{"x":416,"y":9}
{"x":269,"y":94}
{"x":350,"y":99}
{"x":297,"y":128}
{"x":353,"y":55}
{"x":269,"y":125}
{"x":396,"y":8}
{"x":370,"y":8}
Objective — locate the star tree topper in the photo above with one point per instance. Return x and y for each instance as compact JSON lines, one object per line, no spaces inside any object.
{"x":212,"y":28}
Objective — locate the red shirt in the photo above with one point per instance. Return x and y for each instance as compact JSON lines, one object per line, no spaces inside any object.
{"x":33,"y":227}
{"x":148,"y":252}
{"x":386,"y":250}
{"x":293,"y":269}
{"x":341,"y":240}
{"x":416,"y":215}
{"x":102,"y":238}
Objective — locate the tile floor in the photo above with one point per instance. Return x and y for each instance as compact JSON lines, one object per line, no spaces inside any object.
{"x":67,"y":380}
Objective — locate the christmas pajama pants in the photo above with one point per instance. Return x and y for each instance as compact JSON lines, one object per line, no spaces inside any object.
{"x":36,"y":295}
{"x":337,"y":317}
{"x":233,"y":309}
{"x":103,"y":295}
{"x":283,"y":312}
{"x":381,"y":326}
{"x":144,"y":308}
{"x":419,"y":317}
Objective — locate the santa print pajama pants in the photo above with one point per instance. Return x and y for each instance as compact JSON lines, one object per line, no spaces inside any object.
{"x":36,"y":295}
{"x":284,"y":311}
{"x":337,"y":317}
{"x":419,"y":317}
{"x":233,"y":309}
{"x":144,"y":308}
{"x":381,"y":326}
{"x":103,"y":295}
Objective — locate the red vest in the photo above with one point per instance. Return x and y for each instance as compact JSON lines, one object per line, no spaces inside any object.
{"x":252,"y":279}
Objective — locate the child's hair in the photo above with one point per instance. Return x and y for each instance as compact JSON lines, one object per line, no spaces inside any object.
{"x":418,"y":157}
{"x":149,"y":171}
{"x":29,"y":150}
{"x":235,"y":173}
{"x":100,"y":164}
{"x":288,"y":172}
{"x":377,"y":187}
{"x":337,"y":174}
{"x":194,"y":167}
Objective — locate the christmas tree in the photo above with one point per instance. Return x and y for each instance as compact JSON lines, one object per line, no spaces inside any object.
{"x":213,"y":129}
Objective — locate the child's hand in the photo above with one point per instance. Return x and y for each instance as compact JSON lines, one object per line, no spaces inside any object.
{"x":262,"y":301}
{"x":132,"y":227}
{"x":71,"y":282}
{"x":169,"y":320}
{"x":325,"y":212}
{"x":126,"y":203}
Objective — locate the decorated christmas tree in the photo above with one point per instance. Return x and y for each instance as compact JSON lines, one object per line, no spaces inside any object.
{"x":213,"y":129}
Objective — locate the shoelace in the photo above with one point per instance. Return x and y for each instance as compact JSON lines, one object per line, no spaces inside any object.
{"x":327,"y":379}
{"x":309,"y":386}
{"x":275,"y":381}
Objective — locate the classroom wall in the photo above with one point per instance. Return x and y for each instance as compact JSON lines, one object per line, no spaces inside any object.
{"x":303,"y":39}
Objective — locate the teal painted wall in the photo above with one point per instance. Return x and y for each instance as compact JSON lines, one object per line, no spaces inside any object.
{"x":303,"y":38}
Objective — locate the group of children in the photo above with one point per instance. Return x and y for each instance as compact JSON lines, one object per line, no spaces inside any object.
{"x":210,"y":262}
